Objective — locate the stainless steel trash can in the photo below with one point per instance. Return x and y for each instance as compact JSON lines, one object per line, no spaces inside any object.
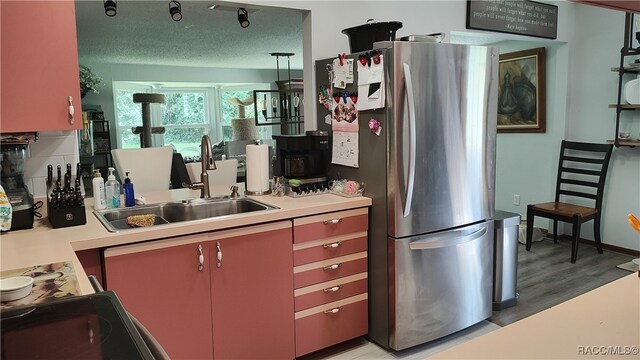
{"x":505,"y":259}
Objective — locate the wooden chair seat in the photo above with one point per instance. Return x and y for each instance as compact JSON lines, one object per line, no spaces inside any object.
{"x":565,"y":209}
{"x":582,"y":171}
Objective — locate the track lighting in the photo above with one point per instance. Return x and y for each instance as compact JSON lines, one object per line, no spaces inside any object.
{"x":175,"y":9}
{"x":243,"y":17}
{"x":110,"y":7}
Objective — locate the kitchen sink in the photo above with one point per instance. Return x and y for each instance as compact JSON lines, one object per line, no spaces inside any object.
{"x":173,"y":212}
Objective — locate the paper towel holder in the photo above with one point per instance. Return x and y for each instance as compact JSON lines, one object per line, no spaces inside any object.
{"x":254,"y":193}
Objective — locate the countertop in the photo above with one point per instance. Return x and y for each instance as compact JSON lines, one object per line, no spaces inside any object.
{"x":589,"y":326}
{"x":44,"y":244}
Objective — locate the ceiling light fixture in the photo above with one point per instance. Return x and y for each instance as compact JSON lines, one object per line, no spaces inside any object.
{"x":110,"y":7}
{"x":175,"y":9}
{"x":243,"y":18}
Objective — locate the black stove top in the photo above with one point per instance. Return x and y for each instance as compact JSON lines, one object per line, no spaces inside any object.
{"x":83,"y":327}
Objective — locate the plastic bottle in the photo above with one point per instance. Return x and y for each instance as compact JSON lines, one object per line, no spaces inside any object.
{"x":99,"y":202}
{"x":112,"y":190}
{"x":129,"y":199}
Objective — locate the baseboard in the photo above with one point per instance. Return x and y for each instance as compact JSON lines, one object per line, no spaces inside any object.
{"x":610,"y":247}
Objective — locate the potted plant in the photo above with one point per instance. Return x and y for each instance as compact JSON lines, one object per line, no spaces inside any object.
{"x":88,"y":81}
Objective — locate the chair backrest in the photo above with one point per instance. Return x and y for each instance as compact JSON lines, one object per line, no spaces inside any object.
{"x":582,"y":170}
{"x":226,"y":172}
{"x":149,"y":168}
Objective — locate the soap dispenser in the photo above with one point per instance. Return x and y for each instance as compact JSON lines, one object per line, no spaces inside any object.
{"x":112,"y":190}
{"x":129,"y":199}
{"x":99,"y":202}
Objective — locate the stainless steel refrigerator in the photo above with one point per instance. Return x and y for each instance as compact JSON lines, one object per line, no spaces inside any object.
{"x":430,"y":174}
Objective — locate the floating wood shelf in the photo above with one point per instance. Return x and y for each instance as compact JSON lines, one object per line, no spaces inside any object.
{"x":629,"y":142}
{"x":625,"y":106}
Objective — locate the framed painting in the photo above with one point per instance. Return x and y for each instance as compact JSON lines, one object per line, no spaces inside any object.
{"x":522,"y":92}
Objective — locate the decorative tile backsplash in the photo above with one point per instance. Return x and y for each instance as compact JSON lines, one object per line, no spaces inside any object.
{"x":52,"y":148}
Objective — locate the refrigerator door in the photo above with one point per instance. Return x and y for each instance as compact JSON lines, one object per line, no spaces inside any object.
{"x":441,"y":284}
{"x":442,"y":132}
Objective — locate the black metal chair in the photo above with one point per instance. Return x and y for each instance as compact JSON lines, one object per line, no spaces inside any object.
{"x":582,"y":171}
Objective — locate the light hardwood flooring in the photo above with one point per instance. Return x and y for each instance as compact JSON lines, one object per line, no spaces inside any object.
{"x":546,"y":278}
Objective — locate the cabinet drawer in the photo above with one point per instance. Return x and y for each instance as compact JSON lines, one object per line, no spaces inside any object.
{"x":318,"y":250}
{"x":328,"y":225}
{"x":326,"y":270}
{"x":326,"y":292}
{"x":325,"y":327}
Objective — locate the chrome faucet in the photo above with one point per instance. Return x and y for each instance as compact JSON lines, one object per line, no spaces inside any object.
{"x":206,"y":160}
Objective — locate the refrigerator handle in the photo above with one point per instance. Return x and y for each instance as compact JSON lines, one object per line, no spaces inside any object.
{"x":412,"y":138}
{"x":449,"y":239}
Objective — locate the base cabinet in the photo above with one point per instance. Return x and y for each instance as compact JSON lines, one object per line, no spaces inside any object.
{"x":160,"y":283}
{"x":252,"y":294}
{"x":330,"y":279}
{"x":219,"y":295}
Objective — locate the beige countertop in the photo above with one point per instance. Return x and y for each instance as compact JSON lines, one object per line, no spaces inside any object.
{"x":44,"y":245}
{"x":589,"y":326}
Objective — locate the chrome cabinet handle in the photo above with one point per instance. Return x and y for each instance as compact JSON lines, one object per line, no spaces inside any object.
{"x":332,"y":245}
{"x":331,"y":267}
{"x":219,"y":262}
{"x":332,"y":311}
{"x":200,"y":258}
{"x":332,"y":289}
{"x":333,"y":221}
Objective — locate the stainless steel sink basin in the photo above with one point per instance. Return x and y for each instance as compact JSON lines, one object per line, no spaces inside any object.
{"x":172,"y":212}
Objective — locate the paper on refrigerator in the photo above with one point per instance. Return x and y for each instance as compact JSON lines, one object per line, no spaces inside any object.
{"x":371,"y":85}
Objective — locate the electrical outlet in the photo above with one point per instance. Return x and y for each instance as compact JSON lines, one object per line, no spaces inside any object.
{"x":516,"y":199}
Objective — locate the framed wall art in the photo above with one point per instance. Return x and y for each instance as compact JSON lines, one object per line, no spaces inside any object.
{"x":522,"y":92}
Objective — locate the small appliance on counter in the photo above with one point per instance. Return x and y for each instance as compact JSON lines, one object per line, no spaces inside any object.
{"x":12,"y":156}
{"x":304,"y":159}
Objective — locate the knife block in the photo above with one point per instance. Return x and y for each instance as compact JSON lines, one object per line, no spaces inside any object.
{"x":66,"y":216}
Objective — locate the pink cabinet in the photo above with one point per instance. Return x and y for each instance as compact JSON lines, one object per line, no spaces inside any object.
{"x":39,"y":66}
{"x":330,"y":279}
{"x":219,"y":295}
{"x":252,"y":292}
{"x":163,"y":284}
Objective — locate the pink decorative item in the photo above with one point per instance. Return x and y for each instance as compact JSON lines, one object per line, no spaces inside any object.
{"x":375,"y":127}
{"x":350,"y":187}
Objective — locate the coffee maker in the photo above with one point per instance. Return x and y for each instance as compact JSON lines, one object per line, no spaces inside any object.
{"x":304,"y":158}
{"x":12,"y":157}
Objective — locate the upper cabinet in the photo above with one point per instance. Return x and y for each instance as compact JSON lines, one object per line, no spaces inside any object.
{"x":39,"y":66}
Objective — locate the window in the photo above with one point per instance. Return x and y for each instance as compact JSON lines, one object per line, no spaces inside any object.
{"x":187,"y":114}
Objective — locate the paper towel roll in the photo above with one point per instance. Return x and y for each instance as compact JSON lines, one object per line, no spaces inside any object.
{"x":257,"y":168}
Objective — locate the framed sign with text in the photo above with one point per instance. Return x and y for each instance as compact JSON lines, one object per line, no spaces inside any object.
{"x":520,"y":17}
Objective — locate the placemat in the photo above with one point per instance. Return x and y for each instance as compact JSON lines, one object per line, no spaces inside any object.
{"x":50,"y":282}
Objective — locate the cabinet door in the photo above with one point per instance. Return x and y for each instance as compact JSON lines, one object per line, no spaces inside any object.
{"x":252,"y":293}
{"x":39,"y":66}
{"x":160,"y":283}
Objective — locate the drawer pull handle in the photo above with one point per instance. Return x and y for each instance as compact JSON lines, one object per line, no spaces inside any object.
{"x":332,"y":245}
{"x":331,"y":267}
{"x":332,"y":221}
{"x":219,"y":262}
{"x":332,"y":311}
{"x":332,"y":289}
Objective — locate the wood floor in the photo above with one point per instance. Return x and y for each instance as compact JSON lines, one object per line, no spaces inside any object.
{"x":546,"y":278}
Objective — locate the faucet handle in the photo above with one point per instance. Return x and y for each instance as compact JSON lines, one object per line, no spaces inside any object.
{"x":234,"y":192}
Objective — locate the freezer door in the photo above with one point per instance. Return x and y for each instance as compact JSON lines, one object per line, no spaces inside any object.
{"x":439,"y":283}
{"x":442,"y":118}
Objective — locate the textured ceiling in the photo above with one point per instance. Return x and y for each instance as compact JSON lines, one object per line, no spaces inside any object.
{"x":143,"y":33}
